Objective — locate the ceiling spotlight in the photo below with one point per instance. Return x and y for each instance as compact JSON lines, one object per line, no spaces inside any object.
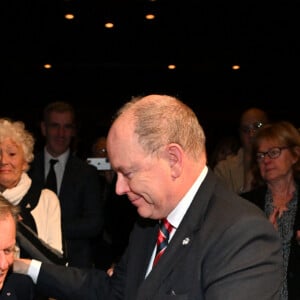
{"x":109,"y":25}
{"x":47,"y":66}
{"x":150,"y":16}
{"x":235,"y":67}
{"x":69,"y":16}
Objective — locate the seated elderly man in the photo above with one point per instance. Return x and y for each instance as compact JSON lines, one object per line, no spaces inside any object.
{"x":12,"y":286}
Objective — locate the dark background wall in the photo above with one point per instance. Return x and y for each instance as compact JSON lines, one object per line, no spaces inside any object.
{"x":97,"y":70}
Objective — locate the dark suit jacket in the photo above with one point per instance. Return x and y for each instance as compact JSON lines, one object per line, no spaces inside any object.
{"x":257,"y":196}
{"x":224,"y":248}
{"x":81,"y":206}
{"x":17,"y":287}
{"x":120,"y":216}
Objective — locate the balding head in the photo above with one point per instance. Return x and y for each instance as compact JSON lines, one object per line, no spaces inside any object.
{"x":161,"y":119}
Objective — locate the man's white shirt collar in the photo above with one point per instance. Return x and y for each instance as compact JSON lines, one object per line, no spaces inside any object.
{"x":179,"y":211}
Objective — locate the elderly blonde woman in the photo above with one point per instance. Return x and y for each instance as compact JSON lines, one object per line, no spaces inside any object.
{"x":40,"y":217}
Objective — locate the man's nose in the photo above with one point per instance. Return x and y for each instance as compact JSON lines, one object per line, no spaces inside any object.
{"x":121,"y":186}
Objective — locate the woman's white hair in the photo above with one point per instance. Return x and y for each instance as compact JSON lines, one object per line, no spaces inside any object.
{"x":15,"y":130}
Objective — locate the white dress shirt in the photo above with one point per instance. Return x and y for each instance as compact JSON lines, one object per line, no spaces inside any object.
{"x":176,"y":215}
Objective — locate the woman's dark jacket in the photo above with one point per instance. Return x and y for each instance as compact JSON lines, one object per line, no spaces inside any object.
{"x":257,"y":196}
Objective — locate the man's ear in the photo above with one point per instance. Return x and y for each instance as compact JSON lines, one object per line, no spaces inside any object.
{"x":175,"y":156}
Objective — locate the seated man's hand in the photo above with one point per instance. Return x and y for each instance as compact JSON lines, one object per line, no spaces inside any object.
{"x":21,"y":265}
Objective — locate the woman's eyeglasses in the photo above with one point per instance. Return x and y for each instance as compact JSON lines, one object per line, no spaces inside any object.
{"x":272,"y":153}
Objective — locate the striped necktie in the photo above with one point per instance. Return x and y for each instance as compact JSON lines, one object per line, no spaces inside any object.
{"x":162,"y":239}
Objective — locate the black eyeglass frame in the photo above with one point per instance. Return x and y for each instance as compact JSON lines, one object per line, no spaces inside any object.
{"x":272,"y":153}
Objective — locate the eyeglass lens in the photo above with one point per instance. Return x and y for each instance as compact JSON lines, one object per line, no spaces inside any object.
{"x":272,"y":153}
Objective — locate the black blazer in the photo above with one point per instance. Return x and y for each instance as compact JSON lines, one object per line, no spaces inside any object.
{"x":17,"y":287}
{"x":224,"y":248}
{"x":81,"y":206}
{"x":257,"y":196}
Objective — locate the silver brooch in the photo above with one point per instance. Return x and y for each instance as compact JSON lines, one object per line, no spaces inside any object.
{"x":185,"y":241}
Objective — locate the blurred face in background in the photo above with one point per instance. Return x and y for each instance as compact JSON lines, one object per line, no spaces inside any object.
{"x":99,"y":148}
{"x":7,"y":245}
{"x":250,"y":122}
{"x":58,"y":129}
{"x":12,"y":163}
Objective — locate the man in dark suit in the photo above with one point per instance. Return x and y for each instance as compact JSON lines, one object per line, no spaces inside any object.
{"x":12,"y":286}
{"x":219,"y":247}
{"x":78,"y":187}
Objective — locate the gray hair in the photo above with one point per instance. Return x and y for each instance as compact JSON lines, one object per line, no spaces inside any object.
{"x":163,"y":119}
{"x":58,"y":106}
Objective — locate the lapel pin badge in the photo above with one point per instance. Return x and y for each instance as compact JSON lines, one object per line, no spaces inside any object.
{"x":185,"y":241}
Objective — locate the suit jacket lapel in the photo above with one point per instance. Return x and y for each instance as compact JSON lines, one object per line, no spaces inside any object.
{"x":181,"y":241}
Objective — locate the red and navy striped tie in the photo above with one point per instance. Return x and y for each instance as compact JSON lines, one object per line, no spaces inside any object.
{"x":162,"y":239}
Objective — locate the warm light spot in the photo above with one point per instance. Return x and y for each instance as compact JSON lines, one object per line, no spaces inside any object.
{"x":109,"y":25}
{"x":69,"y":16}
{"x":47,"y":66}
{"x":236,"y":67}
{"x":150,"y":16}
{"x":171,"y":67}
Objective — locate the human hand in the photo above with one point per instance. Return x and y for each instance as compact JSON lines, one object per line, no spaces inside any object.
{"x":277,"y":213}
{"x":273,"y":217}
{"x":21,"y":265}
{"x":110,"y":271}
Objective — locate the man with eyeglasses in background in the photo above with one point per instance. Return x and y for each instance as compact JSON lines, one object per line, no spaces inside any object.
{"x":235,"y":170}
